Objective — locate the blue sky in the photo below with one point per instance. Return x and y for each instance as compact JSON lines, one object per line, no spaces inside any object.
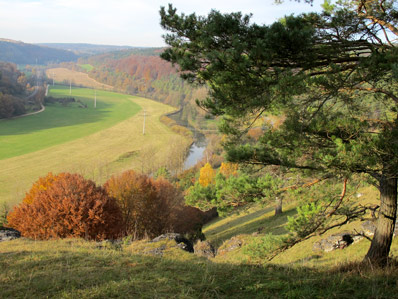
{"x":119,"y":22}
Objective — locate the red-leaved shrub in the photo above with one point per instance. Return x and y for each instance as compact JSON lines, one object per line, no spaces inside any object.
{"x":139,"y":202}
{"x":152,"y":207}
{"x":68,"y":206}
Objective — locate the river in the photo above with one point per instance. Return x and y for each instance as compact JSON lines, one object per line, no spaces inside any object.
{"x":196,"y":153}
{"x":198,"y":147}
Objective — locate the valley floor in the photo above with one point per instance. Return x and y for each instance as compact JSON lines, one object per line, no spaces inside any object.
{"x":96,"y":155}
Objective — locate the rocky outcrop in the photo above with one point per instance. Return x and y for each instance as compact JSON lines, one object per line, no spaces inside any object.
{"x":182,"y":242}
{"x":8,"y":234}
{"x":368,"y":228}
{"x":204,"y":248}
{"x":230,"y":245}
{"x":336,"y":241}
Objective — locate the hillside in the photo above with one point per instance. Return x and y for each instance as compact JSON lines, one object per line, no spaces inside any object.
{"x":259,"y":231}
{"x":67,"y":76}
{"x":17,"y":96}
{"x":22,"y":53}
{"x":142,"y":72}
{"x":84,"y":49}
{"x":78,"y":268}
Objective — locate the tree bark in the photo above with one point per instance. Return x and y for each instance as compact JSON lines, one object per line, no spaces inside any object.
{"x":278,"y":207}
{"x":381,"y":243}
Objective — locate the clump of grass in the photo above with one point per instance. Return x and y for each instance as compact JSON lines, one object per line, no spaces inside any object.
{"x":258,"y":248}
{"x":126,"y":156}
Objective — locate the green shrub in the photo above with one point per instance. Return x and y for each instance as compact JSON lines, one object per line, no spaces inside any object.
{"x":258,"y":248}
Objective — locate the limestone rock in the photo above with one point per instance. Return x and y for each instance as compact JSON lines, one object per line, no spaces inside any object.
{"x":204,"y":248}
{"x":336,"y":241}
{"x":182,"y":242}
{"x":230,"y":245}
{"x":368,"y":228}
{"x":8,"y":234}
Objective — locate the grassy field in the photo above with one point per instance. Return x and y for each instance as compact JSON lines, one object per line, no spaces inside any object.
{"x":57,"y":124}
{"x":63,"y":75}
{"x":87,"y":67}
{"x":94,"y":142}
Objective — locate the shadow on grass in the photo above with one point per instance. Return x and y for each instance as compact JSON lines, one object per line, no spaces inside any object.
{"x":248,"y":225}
{"x":54,"y":116}
{"x":109,"y":273}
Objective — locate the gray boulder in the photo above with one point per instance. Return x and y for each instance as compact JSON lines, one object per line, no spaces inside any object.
{"x":336,"y":241}
{"x":230,"y":245}
{"x":182,"y":242}
{"x":368,"y":228}
{"x":8,"y":234}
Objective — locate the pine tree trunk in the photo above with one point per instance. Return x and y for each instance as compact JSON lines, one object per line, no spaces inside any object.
{"x":278,"y":207}
{"x":381,"y":243}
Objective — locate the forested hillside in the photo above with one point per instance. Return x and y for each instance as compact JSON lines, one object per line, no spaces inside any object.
{"x":84,"y":49}
{"x":16,"y":94}
{"x":22,"y":53}
{"x":142,"y":72}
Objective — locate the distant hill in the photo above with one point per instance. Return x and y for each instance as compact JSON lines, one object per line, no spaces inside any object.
{"x":140,"y":71}
{"x":22,"y":53}
{"x":85,"y":49}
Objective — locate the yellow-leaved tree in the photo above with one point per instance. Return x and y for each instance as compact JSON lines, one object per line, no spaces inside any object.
{"x":207,"y":175}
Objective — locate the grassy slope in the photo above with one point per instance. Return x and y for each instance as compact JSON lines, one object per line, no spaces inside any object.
{"x":87,"y":67}
{"x":63,"y":75}
{"x":99,"y":155}
{"x":79,"y":269}
{"x":255,"y":223}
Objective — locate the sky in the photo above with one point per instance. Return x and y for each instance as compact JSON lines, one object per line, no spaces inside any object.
{"x":120,"y":22}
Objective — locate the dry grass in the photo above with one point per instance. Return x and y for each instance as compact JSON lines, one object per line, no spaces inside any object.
{"x":256,"y":222}
{"x":100,"y":155}
{"x":63,"y":75}
{"x":78,"y":269}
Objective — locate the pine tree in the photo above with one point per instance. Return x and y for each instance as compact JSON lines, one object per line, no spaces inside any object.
{"x":332,"y":76}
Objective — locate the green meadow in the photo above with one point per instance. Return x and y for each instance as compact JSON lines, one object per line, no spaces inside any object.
{"x":58,"y":124}
{"x":87,"y":67}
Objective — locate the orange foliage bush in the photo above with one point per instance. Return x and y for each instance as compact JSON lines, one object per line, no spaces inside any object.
{"x":151,"y":207}
{"x":137,"y":198}
{"x":69,"y":206}
{"x":227,"y":169}
{"x":41,"y":185}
